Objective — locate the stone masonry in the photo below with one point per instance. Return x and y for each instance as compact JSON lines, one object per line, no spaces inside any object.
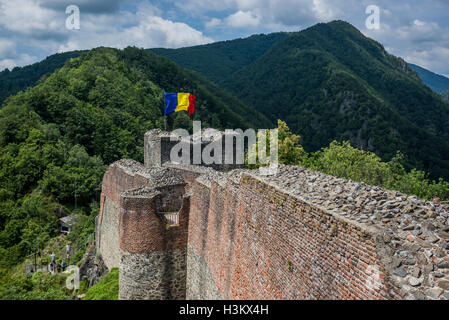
{"x":179,"y":231}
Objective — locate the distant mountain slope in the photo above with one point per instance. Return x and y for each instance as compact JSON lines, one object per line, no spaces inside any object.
{"x":21,"y":78}
{"x":435,"y":81}
{"x":219,"y":60}
{"x":216,"y":61}
{"x":331,"y":82}
{"x":445,"y":94}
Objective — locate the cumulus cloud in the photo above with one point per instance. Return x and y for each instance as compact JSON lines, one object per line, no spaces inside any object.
{"x":9,"y":58}
{"x":7,"y":48}
{"x":413,"y":29}
{"x":251,"y":13}
{"x":142,"y":29}
{"x":39,"y":25}
{"x":425,"y":43}
{"x":434,"y":58}
{"x":148,"y":33}
{"x":20,"y":60}
{"x":243,"y":19}
{"x":419,"y":32}
{"x":212,"y":23}
{"x":27,"y":17}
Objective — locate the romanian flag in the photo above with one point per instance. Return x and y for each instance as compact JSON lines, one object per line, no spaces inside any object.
{"x":175,"y":102}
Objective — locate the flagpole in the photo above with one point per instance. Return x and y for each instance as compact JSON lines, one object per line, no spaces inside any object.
{"x":165,"y":115}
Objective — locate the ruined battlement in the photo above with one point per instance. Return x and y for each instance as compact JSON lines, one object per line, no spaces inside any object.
{"x":299,"y":234}
{"x":159,"y":145}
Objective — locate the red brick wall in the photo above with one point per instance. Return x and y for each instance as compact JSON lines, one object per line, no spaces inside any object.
{"x":142,"y":230}
{"x":257,"y":242}
{"x":138,"y":223}
{"x":176,"y":237}
{"x":115,"y":181}
{"x":260,"y":243}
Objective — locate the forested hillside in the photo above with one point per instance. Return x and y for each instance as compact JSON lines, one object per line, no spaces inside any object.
{"x":57,"y":138}
{"x":331,"y":82}
{"x":21,"y":78}
{"x":279,"y":84}
{"x":218,"y":61}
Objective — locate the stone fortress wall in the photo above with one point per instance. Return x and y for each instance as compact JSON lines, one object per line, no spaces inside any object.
{"x":179,"y":231}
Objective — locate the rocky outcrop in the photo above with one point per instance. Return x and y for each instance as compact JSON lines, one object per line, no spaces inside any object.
{"x":92,"y":266}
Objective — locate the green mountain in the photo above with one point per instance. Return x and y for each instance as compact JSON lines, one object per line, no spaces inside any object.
{"x":328,"y":82}
{"x":219,"y":60}
{"x":20,"y":78}
{"x":331,"y":82}
{"x":215,"y":61}
{"x":436,"y":82}
{"x":57,"y":137}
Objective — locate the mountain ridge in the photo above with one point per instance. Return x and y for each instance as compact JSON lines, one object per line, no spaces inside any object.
{"x":20,"y":78}
{"x":330,"y":82}
{"x":219,"y":60}
{"x":436,"y":82}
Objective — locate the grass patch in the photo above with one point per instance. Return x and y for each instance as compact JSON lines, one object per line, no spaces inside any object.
{"x":106,"y":288}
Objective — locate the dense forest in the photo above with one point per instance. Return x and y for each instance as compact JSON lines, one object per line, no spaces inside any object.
{"x":238,"y":64}
{"x":20,"y":78}
{"x":342,"y":160}
{"x":329,"y":82}
{"x":217,"y":61}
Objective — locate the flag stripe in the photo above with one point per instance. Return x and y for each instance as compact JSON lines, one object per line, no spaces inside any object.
{"x":171,"y":102}
{"x":183,"y":102}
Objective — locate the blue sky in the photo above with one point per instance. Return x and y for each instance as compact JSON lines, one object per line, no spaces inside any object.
{"x":30,"y":30}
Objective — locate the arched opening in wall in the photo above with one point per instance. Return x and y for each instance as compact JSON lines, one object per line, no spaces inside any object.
{"x":169,"y":203}
{"x":171,"y":219}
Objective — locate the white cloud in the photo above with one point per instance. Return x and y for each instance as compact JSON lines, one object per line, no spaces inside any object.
{"x":212,"y":23}
{"x":20,"y":60}
{"x":422,"y":36}
{"x":243,"y":19}
{"x":419,"y":31}
{"x":251,"y":13}
{"x":324,"y":11}
{"x":36,"y":24}
{"x":144,"y":30}
{"x":29,"y":18}
{"x":434,"y":58}
{"x":7,"y":48}
{"x":425,"y":43}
